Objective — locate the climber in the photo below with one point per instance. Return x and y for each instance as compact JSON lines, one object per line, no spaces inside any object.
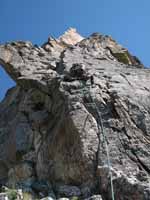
{"x":92,"y":80}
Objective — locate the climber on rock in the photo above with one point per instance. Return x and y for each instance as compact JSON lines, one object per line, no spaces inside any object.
{"x":92,"y":80}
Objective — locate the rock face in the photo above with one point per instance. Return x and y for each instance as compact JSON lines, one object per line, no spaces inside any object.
{"x":77,"y":102}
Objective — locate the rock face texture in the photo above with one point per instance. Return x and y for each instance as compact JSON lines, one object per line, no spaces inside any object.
{"x":77,"y":120}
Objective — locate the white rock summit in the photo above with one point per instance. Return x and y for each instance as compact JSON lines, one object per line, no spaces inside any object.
{"x":71,"y":37}
{"x":57,"y":45}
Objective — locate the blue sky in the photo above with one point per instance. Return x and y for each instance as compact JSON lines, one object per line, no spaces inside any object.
{"x":126,"y":21}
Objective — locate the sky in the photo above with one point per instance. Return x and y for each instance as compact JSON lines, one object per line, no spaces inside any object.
{"x":127,"y":21}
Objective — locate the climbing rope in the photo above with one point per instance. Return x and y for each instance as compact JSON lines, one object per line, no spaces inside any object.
{"x":104,"y":137}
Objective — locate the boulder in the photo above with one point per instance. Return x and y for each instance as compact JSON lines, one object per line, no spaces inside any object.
{"x":20,"y":173}
{"x":68,"y":191}
{"x":95,"y":197}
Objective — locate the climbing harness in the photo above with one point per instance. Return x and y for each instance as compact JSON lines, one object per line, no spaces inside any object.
{"x":86,"y":90}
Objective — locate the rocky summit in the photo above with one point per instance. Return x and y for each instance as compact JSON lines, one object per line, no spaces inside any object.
{"x":77,"y":123}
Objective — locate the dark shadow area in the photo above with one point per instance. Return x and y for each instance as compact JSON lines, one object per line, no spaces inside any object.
{"x":5,"y":83}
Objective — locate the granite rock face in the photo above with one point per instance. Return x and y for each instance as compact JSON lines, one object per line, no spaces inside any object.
{"x":76,"y":100}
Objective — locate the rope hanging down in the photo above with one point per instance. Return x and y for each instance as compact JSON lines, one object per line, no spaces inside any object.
{"x":100,"y":122}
